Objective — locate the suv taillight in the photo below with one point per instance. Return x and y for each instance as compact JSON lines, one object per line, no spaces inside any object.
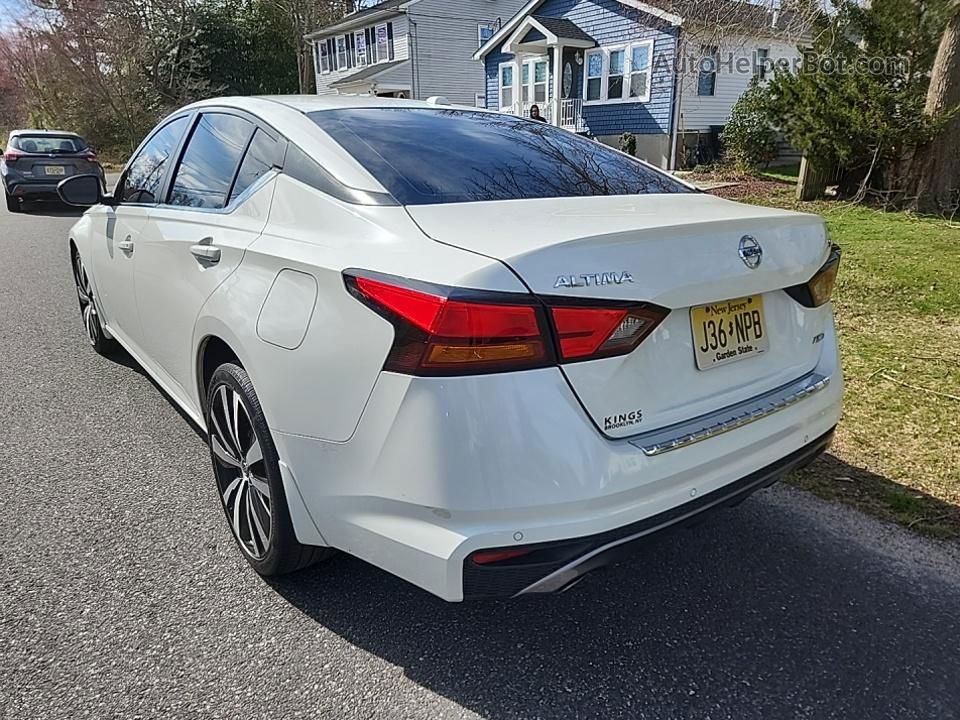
{"x":90,"y":156}
{"x":12,"y":155}
{"x":453,"y":331}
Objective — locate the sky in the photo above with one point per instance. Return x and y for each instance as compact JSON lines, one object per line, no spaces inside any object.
{"x":11,"y":11}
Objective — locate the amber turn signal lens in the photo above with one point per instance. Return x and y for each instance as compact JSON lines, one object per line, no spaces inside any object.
{"x":821,"y":286}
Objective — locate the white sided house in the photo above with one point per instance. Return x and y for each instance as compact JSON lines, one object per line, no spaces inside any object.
{"x":409,"y":49}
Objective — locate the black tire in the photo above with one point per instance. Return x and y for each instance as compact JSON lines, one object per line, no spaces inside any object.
{"x":247,"y":471}
{"x":13,"y":204}
{"x":88,"y":308}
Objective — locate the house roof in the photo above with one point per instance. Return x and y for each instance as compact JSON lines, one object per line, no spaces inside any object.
{"x":566,"y":29}
{"x":740,"y":13}
{"x":367,"y":73}
{"x":358,"y":17}
{"x":527,"y":10}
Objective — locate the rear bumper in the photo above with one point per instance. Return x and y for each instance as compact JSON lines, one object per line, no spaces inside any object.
{"x":440,"y":468}
{"x":26,"y":188}
{"x":554,"y":567}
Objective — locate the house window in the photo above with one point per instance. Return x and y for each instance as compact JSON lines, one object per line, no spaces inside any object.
{"x":615,"y":75}
{"x":506,"y":86}
{"x":525,"y":83}
{"x":763,"y":59}
{"x":707,"y":77}
{"x":540,"y":81}
{"x":332,"y":53}
{"x":485,"y":31}
{"x":341,"y":52}
{"x":594,"y":75}
{"x":360,"y":42}
{"x":323,"y":50}
{"x":384,"y":42}
{"x":640,"y":71}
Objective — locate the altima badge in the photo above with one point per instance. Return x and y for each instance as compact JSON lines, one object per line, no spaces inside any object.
{"x":593,"y":280}
{"x":750,"y":252}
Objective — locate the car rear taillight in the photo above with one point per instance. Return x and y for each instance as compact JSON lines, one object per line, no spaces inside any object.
{"x":450,"y":331}
{"x":442,"y":330}
{"x":819,"y":289}
{"x":587,"y":332}
{"x":90,"y":156}
{"x":12,"y":155}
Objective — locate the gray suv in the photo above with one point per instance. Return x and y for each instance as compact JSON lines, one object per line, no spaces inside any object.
{"x":35,"y":161}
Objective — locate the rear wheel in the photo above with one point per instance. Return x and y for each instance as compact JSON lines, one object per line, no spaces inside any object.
{"x":13,"y":204}
{"x":247,"y":471}
{"x":88,"y":309}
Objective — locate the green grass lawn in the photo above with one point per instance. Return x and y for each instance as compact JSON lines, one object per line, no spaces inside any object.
{"x":787,"y":173}
{"x":897,"y":452}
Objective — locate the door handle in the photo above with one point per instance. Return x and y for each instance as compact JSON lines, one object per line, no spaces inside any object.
{"x":126,"y":245}
{"x":206,"y":253}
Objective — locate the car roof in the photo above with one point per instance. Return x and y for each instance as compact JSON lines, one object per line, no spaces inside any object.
{"x":314,"y":103}
{"x":54,"y":133}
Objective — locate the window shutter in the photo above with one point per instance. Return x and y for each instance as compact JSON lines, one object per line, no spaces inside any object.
{"x":390,"y":38}
{"x":332,"y":54}
{"x":371,"y":45}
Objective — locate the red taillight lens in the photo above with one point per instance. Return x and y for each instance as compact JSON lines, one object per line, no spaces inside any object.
{"x":594,"y":332}
{"x":12,"y":155}
{"x":90,"y":156}
{"x":444,"y":331}
{"x":488,"y":557}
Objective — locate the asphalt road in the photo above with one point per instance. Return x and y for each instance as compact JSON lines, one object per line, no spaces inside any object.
{"x":122,"y":594}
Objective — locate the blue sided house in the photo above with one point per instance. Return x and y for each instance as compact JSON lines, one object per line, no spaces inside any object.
{"x":606,"y":67}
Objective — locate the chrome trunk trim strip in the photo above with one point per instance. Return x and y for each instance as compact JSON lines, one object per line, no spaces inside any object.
{"x":729,"y":418}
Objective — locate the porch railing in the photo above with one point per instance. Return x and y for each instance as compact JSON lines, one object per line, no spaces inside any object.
{"x":570,"y":113}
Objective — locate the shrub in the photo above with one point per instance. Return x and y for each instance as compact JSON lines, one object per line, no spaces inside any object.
{"x":628,"y":143}
{"x":749,"y":140}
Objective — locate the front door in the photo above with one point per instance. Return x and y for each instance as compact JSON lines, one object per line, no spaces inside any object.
{"x":534,"y":83}
{"x":121,"y":228}
{"x":217,"y":206}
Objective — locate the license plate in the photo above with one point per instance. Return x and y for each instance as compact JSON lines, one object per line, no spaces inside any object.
{"x":55,"y":170}
{"x":728,"y":331}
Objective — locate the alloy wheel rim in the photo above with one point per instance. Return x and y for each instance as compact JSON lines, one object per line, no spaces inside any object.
{"x":88,"y":308}
{"x":241,"y":472}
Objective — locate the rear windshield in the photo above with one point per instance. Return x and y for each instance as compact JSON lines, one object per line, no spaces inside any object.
{"x":48,"y":144}
{"x":424,"y":157}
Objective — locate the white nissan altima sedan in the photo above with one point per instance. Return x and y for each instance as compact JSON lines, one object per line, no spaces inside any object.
{"x":480,"y":352}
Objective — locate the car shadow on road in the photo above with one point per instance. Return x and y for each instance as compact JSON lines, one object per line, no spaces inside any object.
{"x":51,"y":209}
{"x":758,"y":612}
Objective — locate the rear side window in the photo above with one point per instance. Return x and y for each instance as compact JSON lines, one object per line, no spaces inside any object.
{"x":48,"y":144}
{"x":260,"y":157}
{"x":209,"y":164}
{"x":145,"y":173}
{"x":446,"y":156}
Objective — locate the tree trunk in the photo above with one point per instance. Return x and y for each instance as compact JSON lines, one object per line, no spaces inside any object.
{"x":934,"y":184}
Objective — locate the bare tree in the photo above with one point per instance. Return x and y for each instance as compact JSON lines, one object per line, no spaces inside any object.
{"x":305,"y":16}
{"x":933,"y":184}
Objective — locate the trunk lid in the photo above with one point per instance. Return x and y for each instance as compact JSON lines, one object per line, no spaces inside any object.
{"x":676,"y":251}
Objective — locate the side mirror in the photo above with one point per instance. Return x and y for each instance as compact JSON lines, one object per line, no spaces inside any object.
{"x":83,"y":191}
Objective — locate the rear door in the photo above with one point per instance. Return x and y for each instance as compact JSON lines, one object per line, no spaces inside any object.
{"x":115,"y":244}
{"x":217,"y":205}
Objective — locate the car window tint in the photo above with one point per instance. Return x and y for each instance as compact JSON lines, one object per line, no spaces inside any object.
{"x":445,"y":156}
{"x":210,"y":161}
{"x":48,"y":144}
{"x":260,"y":157}
{"x":145,"y":173}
